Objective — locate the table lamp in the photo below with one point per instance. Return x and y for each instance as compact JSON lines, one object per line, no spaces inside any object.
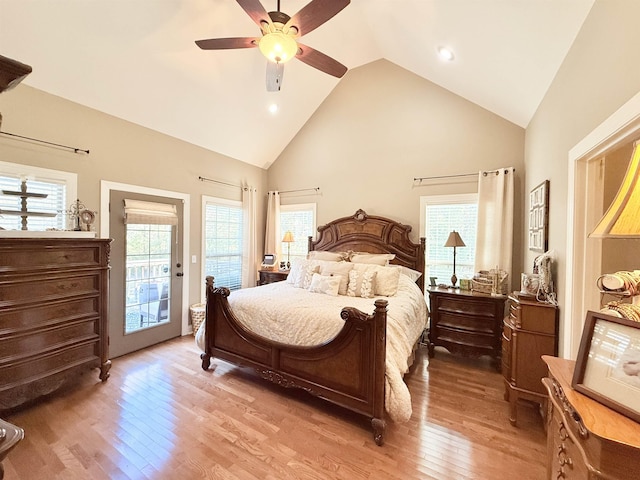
{"x":621,"y":220}
{"x":288,"y":239}
{"x":454,"y":241}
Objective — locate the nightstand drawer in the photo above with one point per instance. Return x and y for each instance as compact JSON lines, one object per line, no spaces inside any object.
{"x":272,"y":276}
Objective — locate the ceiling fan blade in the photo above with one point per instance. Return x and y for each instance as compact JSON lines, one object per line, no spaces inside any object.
{"x":314,"y":14}
{"x":275,"y":72}
{"x":256,"y":11}
{"x":227,"y":43}
{"x":319,"y":60}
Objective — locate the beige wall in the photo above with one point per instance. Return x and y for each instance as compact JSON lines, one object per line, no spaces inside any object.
{"x":381,"y":127}
{"x":599,"y":74}
{"x":120,"y":152}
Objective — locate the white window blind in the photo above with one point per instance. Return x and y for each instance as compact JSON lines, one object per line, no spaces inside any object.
{"x":300,"y":220}
{"x":55,"y":202}
{"x":149,"y":213}
{"x":223,"y":242}
{"x":443,"y":214}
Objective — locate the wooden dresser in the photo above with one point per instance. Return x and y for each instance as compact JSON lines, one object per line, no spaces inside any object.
{"x":530,"y":331}
{"x":53,"y":314}
{"x":585,"y":439}
{"x":466,"y":323}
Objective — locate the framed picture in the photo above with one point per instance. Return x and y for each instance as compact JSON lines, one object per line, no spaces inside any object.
{"x":539,"y":218}
{"x":608,"y":363}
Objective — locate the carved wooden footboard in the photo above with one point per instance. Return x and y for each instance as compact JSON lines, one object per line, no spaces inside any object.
{"x":348,"y":370}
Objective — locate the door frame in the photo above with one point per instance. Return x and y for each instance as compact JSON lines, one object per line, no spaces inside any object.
{"x":105,"y":193}
{"x":582,"y":257}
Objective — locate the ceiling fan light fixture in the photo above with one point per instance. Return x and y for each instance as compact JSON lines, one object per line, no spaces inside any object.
{"x":278,"y":47}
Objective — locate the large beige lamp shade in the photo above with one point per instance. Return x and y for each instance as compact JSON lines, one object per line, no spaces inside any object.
{"x":622,"y":219}
{"x":454,"y":241}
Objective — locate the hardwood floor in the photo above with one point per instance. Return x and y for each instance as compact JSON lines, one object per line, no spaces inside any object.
{"x":160,"y":416}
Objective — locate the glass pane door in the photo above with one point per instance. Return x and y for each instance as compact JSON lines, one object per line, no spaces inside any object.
{"x":148,"y":276}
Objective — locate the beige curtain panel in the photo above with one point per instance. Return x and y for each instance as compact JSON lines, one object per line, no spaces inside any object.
{"x":495,"y":220}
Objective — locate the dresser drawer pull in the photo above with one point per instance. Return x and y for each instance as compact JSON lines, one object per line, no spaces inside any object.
{"x":562,"y":432}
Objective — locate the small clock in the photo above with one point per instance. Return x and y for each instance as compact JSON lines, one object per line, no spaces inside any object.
{"x":87,"y":217}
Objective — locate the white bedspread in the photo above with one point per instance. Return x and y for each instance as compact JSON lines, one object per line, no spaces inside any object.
{"x":295,"y":316}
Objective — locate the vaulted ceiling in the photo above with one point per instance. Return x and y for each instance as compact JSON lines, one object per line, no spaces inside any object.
{"x":137,"y":60}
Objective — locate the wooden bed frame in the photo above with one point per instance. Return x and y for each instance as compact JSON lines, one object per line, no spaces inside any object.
{"x":348,"y":370}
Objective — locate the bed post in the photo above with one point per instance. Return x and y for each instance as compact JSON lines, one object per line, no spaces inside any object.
{"x":206,"y":356}
{"x":378,"y":422}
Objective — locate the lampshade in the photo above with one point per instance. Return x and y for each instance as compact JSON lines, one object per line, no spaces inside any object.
{"x":454,"y":240}
{"x":278,"y":47}
{"x":288,"y":237}
{"x":622,"y":220}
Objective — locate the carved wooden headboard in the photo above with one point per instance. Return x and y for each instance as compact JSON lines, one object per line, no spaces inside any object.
{"x":368,"y":233}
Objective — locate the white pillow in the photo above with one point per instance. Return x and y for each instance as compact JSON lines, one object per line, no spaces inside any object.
{"x":325,"y":284}
{"x":362,"y":283}
{"x":414,"y":275}
{"x":331,"y":256}
{"x":387,"y":279}
{"x":301,"y":272}
{"x":371,"y":258}
{"x":340,"y":270}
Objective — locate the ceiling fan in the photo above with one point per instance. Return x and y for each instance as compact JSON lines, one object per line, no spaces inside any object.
{"x":279,"y":37}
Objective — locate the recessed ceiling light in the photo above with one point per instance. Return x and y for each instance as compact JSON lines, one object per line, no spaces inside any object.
{"x":445,"y":54}
{"x":273,"y":108}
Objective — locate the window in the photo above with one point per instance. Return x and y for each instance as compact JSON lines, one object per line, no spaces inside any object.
{"x":57,"y":189}
{"x":441,"y":215}
{"x":300,"y":220}
{"x":222,"y":241}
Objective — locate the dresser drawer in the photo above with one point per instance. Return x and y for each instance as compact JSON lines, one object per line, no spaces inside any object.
{"x":45,"y":255}
{"x":468,"y":323}
{"x":47,"y":315}
{"x":24,"y":370}
{"x":472,"y":306}
{"x":20,"y":346}
{"x":51,"y":287}
{"x":485,"y":341}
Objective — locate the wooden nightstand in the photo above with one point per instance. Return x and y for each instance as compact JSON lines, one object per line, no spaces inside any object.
{"x":466,"y":323}
{"x":272,"y":276}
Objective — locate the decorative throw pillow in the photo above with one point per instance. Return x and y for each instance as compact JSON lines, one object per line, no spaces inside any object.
{"x":362,"y":283}
{"x":387,"y":279}
{"x":301,"y":273}
{"x":371,"y":258}
{"x":338,"y":269}
{"x":324,"y":284}
{"x":330,"y":256}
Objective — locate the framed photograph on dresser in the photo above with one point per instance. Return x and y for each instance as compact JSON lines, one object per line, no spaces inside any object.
{"x":608,"y":363}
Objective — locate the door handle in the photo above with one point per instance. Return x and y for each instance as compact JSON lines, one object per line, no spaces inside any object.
{"x":179,"y":274}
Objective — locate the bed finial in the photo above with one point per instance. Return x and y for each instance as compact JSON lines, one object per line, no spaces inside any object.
{"x":360,"y":215}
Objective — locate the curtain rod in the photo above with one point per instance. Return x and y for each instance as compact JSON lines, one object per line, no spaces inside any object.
{"x":204,"y":179}
{"x":506,"y":170}
{"x":315,"y":189}
{"x":74,"y":149}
